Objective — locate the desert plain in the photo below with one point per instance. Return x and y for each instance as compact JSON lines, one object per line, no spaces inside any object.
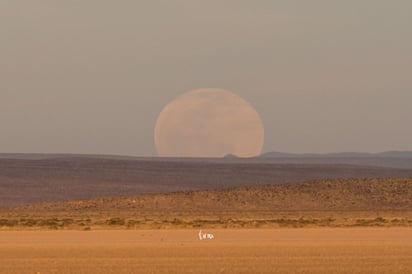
{"x":306,"y":219}
{"x":304,"y":250}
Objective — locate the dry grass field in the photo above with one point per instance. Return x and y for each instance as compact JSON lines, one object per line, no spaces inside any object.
{"x":201,"y":220}
{"x":319,"y":250}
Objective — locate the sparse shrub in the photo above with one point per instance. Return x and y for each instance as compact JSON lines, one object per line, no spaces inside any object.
{"x":380,"y":219}
{"x":177,"y":221}
{"x":7,"y":222}
{"x":116,"y":221}
{"x":67,"y":221}
{"x":28,"y":222}
{"x":132,"y":223}
{"x":48,"y":222}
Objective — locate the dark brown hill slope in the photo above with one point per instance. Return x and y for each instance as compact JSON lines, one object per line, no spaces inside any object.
{"x":322,"y":195}
{"x":31,"y":181}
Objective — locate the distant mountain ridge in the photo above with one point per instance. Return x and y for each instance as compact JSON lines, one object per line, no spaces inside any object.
{"x":388,"y":159}
{"x":272,"y":154}
{"x":391,"y":159}
{"x":386,"y":154}
{"x":45,"y":156}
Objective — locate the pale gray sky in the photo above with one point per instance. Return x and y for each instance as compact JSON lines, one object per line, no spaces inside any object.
{"x":92,"y":76}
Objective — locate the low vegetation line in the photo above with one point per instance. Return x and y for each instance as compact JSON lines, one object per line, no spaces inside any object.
{"x":15,"y":223}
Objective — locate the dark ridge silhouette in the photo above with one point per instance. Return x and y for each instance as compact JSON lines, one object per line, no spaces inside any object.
{"x":59,"y":179}
{"x":391,"y":159}
{"x":387,"y":154}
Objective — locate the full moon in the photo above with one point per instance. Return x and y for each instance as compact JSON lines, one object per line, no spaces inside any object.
{"x":209,"y":123}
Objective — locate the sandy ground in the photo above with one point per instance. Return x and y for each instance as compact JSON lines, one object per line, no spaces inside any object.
{"x":317,"y":250}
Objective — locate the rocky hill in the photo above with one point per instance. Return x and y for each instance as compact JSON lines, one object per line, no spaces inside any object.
{"x":60,"y":179}
{"x":320,"y":195}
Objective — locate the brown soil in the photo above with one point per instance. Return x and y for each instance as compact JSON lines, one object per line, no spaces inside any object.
{"x":354,"y":250}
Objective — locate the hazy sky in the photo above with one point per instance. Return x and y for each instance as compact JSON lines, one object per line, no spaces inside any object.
{"x":92,"y":76}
